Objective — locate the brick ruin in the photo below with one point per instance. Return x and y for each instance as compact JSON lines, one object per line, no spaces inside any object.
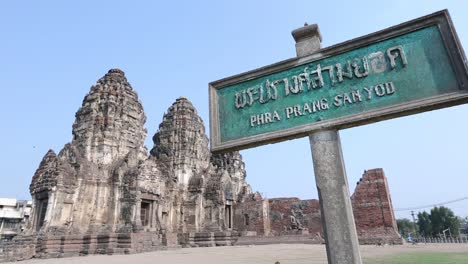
{"x":373,"y":209}
{"x":104,"y":193}
{"x":294,"y":220}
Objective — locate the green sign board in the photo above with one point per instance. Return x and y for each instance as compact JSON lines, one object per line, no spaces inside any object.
{"x":413,"y":67}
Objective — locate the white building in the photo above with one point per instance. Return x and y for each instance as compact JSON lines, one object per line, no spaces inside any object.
{"x":14,"y":214}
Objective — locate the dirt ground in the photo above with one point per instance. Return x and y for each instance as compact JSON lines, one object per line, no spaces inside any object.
{"x":266,"y":254}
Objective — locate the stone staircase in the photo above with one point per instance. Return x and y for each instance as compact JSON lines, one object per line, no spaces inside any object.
{"x":208,"y":239}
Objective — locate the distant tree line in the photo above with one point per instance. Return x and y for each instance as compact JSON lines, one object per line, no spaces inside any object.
{"x":440,"y":220}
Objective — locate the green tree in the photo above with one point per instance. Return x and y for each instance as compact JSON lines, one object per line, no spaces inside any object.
{"x":424,"y":223}
{"x":405,"y":226}
{"x":440,"y":219}
{"x":443,"y":218}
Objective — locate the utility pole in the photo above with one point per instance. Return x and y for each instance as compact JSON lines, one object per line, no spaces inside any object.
{"x":414,"y":223}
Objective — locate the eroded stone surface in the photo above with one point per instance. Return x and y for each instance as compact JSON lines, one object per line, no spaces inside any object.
{"x":110,"y":122}
{"x":181,"y":139}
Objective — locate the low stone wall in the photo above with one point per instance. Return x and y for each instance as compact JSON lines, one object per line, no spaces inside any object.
{"x":290,"y":214}
{"x":381,"y":240}
{"x":284,"y":239}
{"x":57,"y":246}
{"x":21,"y":248}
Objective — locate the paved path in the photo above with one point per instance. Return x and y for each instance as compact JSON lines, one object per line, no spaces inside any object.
{"x":266,"y":254}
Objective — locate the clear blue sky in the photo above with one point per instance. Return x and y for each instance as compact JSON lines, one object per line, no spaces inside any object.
{"x":52,"y":52}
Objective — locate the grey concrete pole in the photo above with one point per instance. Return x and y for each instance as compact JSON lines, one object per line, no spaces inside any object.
{"x":1,"y":230}
{"x":335,"y":203}
{"x":330,"y":175}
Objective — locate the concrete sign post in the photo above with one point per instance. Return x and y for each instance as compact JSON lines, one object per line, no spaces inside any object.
{"x":410,"y":68}
{"x":330,"y":175}
{"x":335,"y":204}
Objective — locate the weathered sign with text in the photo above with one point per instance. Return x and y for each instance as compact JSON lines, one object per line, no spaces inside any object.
{"x":414,"y":67}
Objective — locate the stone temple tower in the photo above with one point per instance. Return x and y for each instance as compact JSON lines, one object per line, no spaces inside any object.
{"x":204,"y":187}
{"x":182,"y":140}
{"x":77,"y":191}
{"x":110,"y":122}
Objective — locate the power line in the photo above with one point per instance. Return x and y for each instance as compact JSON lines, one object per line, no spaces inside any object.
{"x":432,"y":205}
